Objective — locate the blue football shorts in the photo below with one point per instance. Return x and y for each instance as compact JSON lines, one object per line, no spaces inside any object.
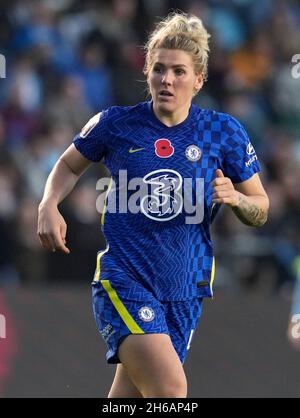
{"x":122,"y":308}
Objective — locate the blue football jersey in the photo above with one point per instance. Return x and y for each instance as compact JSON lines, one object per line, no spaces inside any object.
{"x":166,"y":173}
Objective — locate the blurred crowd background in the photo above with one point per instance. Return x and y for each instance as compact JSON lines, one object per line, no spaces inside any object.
{"x":69,"y":59}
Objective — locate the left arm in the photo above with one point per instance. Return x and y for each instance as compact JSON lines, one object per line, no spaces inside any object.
{"x":248,"y":199}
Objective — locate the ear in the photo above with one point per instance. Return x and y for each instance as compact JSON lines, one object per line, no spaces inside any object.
{"x":199,"y":81}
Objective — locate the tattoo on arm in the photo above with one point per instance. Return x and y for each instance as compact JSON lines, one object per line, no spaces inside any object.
{"x":249,"y":213}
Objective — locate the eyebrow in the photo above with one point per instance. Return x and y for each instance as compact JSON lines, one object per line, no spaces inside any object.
{"x":173,"y":66}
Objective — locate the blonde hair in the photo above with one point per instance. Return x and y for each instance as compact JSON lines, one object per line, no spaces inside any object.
{"x":180,"y":31}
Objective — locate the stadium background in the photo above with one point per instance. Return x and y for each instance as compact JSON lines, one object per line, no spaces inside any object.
{"x":68,"y":59}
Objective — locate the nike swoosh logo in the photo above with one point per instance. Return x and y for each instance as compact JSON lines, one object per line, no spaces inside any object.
{"x":131,"y":151}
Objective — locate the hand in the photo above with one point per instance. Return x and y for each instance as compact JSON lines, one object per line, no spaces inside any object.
{"x":224,"y":191}
{"x":52,"y":228}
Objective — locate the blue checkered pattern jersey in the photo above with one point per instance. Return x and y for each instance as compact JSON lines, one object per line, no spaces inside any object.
{"x":158,"y":246}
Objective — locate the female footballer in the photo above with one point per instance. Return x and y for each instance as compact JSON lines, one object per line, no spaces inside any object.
{"x":158,"y":264}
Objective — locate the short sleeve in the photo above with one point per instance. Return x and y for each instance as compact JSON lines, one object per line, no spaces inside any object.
{"x":92,"y":141}
{"x":240,"y":160}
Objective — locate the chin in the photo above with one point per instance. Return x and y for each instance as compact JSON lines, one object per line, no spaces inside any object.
{"x":166,"y":107}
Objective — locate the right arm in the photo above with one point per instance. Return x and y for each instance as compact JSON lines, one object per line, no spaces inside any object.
{"x":52,"y":227}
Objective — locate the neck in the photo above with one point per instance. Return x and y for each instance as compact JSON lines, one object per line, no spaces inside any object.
{"x":171,"y":119}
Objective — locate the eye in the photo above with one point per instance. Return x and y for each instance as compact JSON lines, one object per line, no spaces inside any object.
{"x":157,"y":69}
{"x":179,"y":71}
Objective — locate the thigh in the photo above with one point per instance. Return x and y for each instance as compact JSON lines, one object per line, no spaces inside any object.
{"x":122,"y":386}
{"x":153,"y":365}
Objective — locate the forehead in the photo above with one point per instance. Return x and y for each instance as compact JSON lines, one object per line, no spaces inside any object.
{"x":172,"y":57}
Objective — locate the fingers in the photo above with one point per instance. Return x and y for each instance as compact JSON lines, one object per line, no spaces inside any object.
{"x":52,"y":230}
{"x":220,"y":179}
{"x":225,"y":195}
{"x":219,"y":173}
{"x":221,"y":183}
{"x":222,"y":194}
{"x":63,"y":232}
{"x":60,"y":244}
{"x":53,"y":242}
{"x":223,"y":190}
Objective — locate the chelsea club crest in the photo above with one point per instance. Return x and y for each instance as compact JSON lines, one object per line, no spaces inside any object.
{"x":193,"y":153}
{"x":146,"y":314}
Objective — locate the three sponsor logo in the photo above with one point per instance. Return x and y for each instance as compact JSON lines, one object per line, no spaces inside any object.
{"x":165,"y":201}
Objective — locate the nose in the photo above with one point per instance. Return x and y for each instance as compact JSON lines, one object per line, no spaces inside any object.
{"x":167,"y":78}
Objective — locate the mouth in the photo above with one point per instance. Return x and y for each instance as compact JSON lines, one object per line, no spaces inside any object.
{"x":165,"y":94}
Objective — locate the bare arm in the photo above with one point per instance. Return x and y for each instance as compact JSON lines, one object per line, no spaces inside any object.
{"x":248,"y":199}
{"x":52,"y":227}
{"x":64,"y":176}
